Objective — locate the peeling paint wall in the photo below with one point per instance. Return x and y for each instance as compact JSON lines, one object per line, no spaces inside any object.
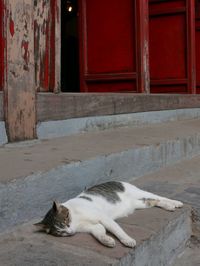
{"x":20,"y":92}
{"x":2,"y":44}
{"x":46,"y":18}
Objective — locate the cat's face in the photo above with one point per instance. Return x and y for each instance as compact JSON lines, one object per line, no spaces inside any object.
{"x":57,"y":221}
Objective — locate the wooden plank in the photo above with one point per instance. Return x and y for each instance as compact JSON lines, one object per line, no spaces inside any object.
{"x":71,"y":105}
{"x":19,"y":96}
{"x":142,"y":46}
{"x":191,"y":47}
{"x":159,"y":82}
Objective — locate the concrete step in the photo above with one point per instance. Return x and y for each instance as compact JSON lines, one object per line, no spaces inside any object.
{"x":38,"y":172}
{"x":189,"y":257}
{"x":161,"y":236}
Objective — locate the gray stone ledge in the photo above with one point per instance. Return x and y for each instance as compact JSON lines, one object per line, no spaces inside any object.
{"x":61,"y":128}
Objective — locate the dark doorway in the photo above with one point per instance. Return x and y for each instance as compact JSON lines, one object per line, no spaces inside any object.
{"x":69,"y":46}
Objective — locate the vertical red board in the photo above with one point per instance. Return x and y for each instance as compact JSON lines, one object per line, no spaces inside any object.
{"x":109,"y":45}
{"x":110,"y":36}
{"x":1,"y":46}
{"x":168,"y":47}
{"x":198,"y":45}
{"x":172,"y":46}
{"x":198,"y":58}
{"x":44,"y":44}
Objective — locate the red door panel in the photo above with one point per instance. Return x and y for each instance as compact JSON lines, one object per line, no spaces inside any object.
{"x":110,"y":33}
{"x":171,"y":46}
{"x":108,"y":58}
{"x":168,"y":47}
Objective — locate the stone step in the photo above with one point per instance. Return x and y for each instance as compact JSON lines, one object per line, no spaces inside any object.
{"x":189,"y":257}
{"x":161,"y":236}
{"x":35,"y":173}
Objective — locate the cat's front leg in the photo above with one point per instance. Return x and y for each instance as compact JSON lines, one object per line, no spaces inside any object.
{"x":116,"y":230}
{"x":99,"y":232}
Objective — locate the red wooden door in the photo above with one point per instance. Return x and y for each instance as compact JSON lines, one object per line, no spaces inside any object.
{"x":198,"y":45}
{"x":172,"y":50}
{"x":1,"y":46}
{"x":108,"y":46}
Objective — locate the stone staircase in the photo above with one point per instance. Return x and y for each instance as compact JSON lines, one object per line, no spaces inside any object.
{"x":159,"y":157}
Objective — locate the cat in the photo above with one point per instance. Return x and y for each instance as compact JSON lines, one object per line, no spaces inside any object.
{"x":95,"y":210}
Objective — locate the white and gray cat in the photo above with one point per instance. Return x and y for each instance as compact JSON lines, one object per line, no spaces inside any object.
{"x":95,"y":209}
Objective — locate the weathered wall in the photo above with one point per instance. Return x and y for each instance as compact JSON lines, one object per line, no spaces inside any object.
{"x":2,"y":43}
{"x":46,"y":17}
{"x":20,"y":89}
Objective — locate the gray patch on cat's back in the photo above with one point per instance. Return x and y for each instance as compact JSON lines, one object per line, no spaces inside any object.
{"x":86,"y":198}
{"x":107,"y":190}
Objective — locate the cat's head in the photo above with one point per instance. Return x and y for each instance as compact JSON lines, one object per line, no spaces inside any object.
{"x":57,"y":221}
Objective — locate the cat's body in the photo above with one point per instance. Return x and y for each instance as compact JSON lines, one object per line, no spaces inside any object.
{"x":95,"y":209}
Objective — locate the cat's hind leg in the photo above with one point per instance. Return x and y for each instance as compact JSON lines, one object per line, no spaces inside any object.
{"x":150,"y":200}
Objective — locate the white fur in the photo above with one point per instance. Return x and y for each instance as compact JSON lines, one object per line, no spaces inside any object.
{"x":98,"y":215}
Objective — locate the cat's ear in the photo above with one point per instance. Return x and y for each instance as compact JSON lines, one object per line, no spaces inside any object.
{"x":56,"y":206}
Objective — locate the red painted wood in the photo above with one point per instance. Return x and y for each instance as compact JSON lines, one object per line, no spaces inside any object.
{"x":110,"y":36}
{"x":167,"y":47}
{"x":44,"y":44}
{"x":1,"y":45}
{"x":53,"y":5}
{"x":142,"y":46}
{"x":172,"y":50}
{"x":110,"y":77}
{"x":108,"y":44}
{"x":172,"y":89}
{"x":197,"y":46}
{"x":191,"y":60}
{"x":114,"y":86}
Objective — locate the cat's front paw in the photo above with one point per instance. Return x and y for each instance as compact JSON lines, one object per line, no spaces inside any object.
{"x":171,"y":205}
{"x":177,"y":204}
{"x":131,"y":243}
{"x":108,"y":241}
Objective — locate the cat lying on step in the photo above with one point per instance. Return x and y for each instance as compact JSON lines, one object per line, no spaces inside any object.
{"x":95,"y":209}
